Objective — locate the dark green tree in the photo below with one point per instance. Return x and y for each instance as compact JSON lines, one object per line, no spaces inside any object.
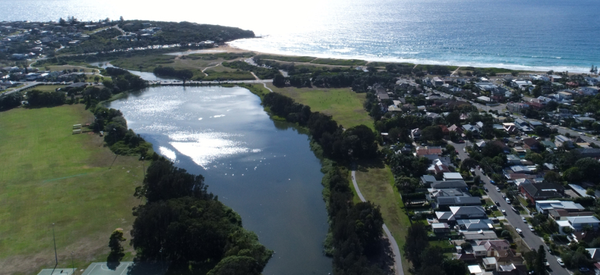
{"x":116,"y":249}
{"x":416,"y":242}
{"x":279,"y":81}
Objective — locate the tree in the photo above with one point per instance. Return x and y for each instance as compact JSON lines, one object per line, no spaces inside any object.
{"x":540,"y":261}
{"x":432,"y":256}
{"x":552,"y":177}
{"x":590,"y":169}
{"x":454,"y":267}
{"x":432,"y":133}
{"x":279,"y":81}
{"x":116,"y":249}
{"x":416,"y":242}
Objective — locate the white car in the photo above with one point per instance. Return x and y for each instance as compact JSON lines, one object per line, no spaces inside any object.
{"x":531,"y":228}
{"x":497,"y":189}
{"x":519,"y":231}
{"x":560,"y":261}
{"x":524,"y":220}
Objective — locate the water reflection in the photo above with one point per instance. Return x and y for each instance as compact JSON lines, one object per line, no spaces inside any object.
{"x":261,"y":168}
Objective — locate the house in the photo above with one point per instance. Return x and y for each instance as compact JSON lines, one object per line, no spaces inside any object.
{"x":468,"y":212}
{"x":561,"y":140}
{"x":509,"y":127}
{"x":589,"y":152}
{"x":415,"y":134}
{"x":453,"y":184}
{"x":440,"y":228}
{"x":531,"y":144}
{"x":513,"y":160}
{"x":579,"y":190}
{"x":443,"y":202}
{"x":452,"y":176}
{"x":471,"y":128}
{"x":496,"y":248}
{"x":455,"y":128}
{"x":541,"y":191}
{"x":428,"y":150}
{"x":475,"y":224}
{"x":479,"y":235}
{"x":594,"y":254}
{"x":437,"y":166}
{"x":489,"y":263}
{"x":543,"y":206}
{"x":427,"y":180}
{"x":479,"y":251}
{"x":580,"y":223}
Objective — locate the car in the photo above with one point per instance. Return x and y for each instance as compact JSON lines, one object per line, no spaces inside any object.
{"x":486,"y":190}
{"x":560,"y":261}
{"x":492,"y":182}
{"x":519,"y":231}
{"x":547,"y":264}
{"x":594,"y":138}
{"x":507,"y":201}
{"x":472,"y":170}
{"x":531,"y":228}
{"x":498,"y":189}
{"x":513,"y":209}
{"x":503,"y":212}
{"x":524,"y":220}
{"x":497,"y":203}
{"x":584,"y":269}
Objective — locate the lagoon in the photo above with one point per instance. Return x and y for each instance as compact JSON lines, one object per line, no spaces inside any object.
{"x":262,"y":169}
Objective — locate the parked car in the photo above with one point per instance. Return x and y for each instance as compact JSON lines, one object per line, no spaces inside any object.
{"x":492,"y":182}
{"x":503,"y":212}
{"x":497,"y":189}
{"x":524,"y":220}
{"x":507,"y":201}
{"x":485,"y":188}
{"x":519,"y":231}
{"x":584,"y":269}
{"x":513,"y":209}
{"x":531,"y":228}
{"x":560,"y":261}
{"x":497,"y":203}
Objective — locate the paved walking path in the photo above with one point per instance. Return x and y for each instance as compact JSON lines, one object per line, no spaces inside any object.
{"x":397,"y":259}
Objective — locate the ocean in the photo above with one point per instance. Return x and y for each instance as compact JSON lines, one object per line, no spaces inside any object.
{"x":557,"y":35}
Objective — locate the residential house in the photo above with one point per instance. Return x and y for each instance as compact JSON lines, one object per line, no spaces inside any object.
{"x":475,"y":224}
{"x":455,"y":128}
{"x":415,"y":134}
{"x":580,"y":223}
{"x":589,"y":152}
{"x":452,"y":176}
{"x":468,"y":212}
{"x":428,"y":150}
{"x":450,"y":184}
{"x":531,"y":144}
{"x":472,"y":128}
{"x":543,"y":206}
{"x":490,"y":263}
{"x":440,"y":228}
{"x":561,"y":140}
{"x":541,"y":191}
{"x":479,"y":235}
{"x":496,"y":248}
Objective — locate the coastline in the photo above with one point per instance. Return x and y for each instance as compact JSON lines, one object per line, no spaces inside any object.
{"x":235,"y":47}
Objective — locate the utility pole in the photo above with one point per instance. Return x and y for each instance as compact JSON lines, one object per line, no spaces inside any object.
{"x":55,"y":254}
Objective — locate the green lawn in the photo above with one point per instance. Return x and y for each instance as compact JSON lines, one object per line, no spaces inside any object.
{"x":50,"y":176}
{"x":344,"y":105}
{"x":342,"y":62}
{"x":376,"y":183}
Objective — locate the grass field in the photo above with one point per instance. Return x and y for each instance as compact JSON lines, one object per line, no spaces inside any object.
{"x":287,"y":58}
{"x":376,"y":183}
{"x":342,"y":62}
{"x":344,"y":105}
{"x":50,"y":176}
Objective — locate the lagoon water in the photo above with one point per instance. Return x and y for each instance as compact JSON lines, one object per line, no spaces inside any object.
{"x":262,"y":169}
{"x":533,"y":34}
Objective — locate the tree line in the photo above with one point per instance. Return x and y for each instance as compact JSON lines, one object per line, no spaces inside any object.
{"x":338,"y":144}
{"x":183,"y":75}
{"x":185,"y":226}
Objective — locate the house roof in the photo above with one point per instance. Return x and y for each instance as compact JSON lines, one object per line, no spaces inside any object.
{"x":583,"y":220}
{"x":450,"y":201}
{"x":444,"y":215}
{"x":542,"y":190}
{"x":467,"y":211}
{"x":479,"y":235}
{"x":452,"y":176}
{"x":475,"y":224}
{"x":489,"y":261}
{"x":449,"y":184}
{"x":556,"y":204}
{"x":594,"y":253}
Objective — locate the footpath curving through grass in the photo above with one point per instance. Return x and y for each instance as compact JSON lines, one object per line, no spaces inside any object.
{"x":50,"y":176}
{"x":344,"y":105}
{"x":376,"y":183}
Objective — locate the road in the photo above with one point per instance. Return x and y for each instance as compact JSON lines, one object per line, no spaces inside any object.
{"x":532,"y":240}
{"x":395,"y":249}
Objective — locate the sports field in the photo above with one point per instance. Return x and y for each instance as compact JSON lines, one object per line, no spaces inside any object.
{"x":344,"y":105}
{"x":48,"y":175}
